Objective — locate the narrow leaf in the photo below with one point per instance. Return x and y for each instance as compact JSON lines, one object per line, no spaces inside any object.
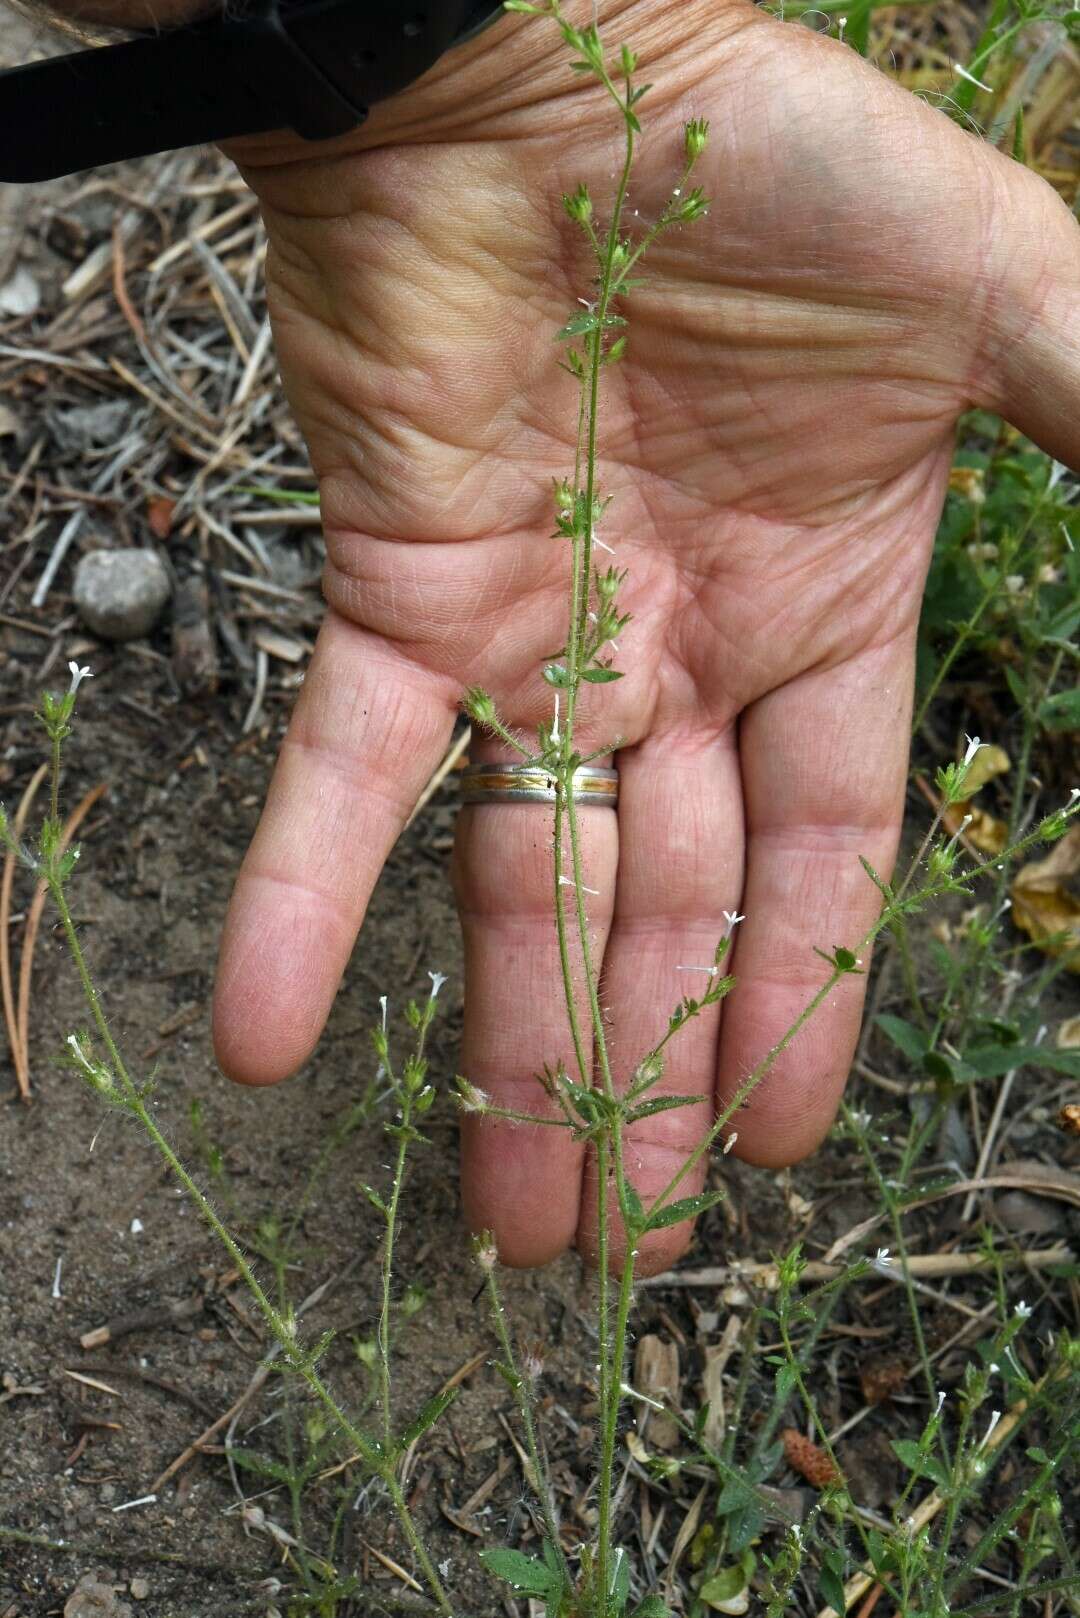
{"x":685,"y":1208}
{"x":428,"y":1416}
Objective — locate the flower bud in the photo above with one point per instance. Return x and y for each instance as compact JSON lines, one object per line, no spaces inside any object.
{"x":479,"y":705}
{"x":578,"y":205}
{"x":485,"y":1252}
{"x":697,"y":138}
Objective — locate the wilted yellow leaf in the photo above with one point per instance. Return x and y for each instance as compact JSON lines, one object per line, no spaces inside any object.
{"x":988,"y":762}
{"x":1068,"y":1035}
{"x":984,"y":831}
{"x":1043,"y":903}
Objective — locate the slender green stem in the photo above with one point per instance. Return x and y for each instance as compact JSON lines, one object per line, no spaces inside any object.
{"x":751,"y":1082}
{"x":964,"y":634}
{"x":584,"y":1066}
{"x":387,"y":1276}
{"x":419,"y":1549}
{"x":523,"y":1395}
{"x":54,"y":778}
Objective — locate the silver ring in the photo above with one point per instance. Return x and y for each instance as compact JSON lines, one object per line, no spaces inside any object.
{"x":529,"y":783}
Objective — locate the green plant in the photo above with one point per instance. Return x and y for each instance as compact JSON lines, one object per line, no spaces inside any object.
{"x":952,"y":1045}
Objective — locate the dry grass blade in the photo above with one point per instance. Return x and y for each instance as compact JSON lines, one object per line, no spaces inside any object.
{"x":33,"y":923}
{"x":7,"y":881}
{"x":454,"y":756}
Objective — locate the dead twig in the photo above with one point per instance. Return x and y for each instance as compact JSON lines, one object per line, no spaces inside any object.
{"x":767,"y":1276}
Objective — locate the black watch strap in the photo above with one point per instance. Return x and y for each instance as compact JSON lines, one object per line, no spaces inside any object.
{"x":313,"y":67}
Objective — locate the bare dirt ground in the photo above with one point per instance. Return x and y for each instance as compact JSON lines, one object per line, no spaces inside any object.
{"x":91,"y":1230}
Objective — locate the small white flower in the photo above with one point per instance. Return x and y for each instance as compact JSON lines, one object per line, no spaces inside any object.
{"x":995,"y":1417}
{"x":882,"y":1256}
{"x":1074,"y":794}
{"x":729,"y":1143}
{"x":973,"y":746}
{"x":732,"y":920}
{"x":78,"y":675}
{"x":970,"y":77}
{"x":993,"y":1368}
{"x":568,"y":882}
{"x":555,"y":721}
{"x":382,"y":1004}
{"x":940,"y":1403}
{"x":1024,"y":1310}
{"x":471,"y":1097}
{"x":437,"y":981}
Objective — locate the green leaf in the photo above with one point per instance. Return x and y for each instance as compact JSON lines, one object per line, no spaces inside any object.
{"x":578,"y":326}
{"x":509,"y":1375}
{"x":651,"y":1607}
{"x":857,"y":31}
{"x":785,"y":1383}
{"x":831,"y":1584}
{"x":587,"y":321}
{"x":1061,"y":711}
{"x":663,"y":1104}
{"x":556,"y":675}
{"x":633,"y":1212}
{"x":686,"y":1208}
{"x":936,"y":1065}
{"x":523,"y":1573}
{"x":744,"y":1525}
{"x":1018,"y":136}
{"x":989,"y":1061}
{"x":724,"y":1587}
{"x":1017,"y":688}
{"x":620,"y":1579}
{"x":374,"y":1198}
{"x":261,"y":1464}
{"x":911,"y":1040}
{"x":600,"y":676}
{"x":908,"y":1453}
{"x":428,"y":1416}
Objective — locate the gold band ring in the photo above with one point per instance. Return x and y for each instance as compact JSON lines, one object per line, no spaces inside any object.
{"x":529,"y":783}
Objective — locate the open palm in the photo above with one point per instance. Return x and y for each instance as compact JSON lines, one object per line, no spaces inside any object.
{"x":776,"y":440}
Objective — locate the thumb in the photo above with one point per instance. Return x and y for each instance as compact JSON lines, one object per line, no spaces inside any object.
{"x":1032,"y":351}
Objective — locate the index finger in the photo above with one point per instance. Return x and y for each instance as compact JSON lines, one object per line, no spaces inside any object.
{"x":369,"y":728}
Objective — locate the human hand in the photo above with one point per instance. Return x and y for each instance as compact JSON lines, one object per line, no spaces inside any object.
{"x":777,"y":441}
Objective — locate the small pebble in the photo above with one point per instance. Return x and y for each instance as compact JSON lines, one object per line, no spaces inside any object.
{"x":119,"y":594}
{"x":140,"y":1588}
